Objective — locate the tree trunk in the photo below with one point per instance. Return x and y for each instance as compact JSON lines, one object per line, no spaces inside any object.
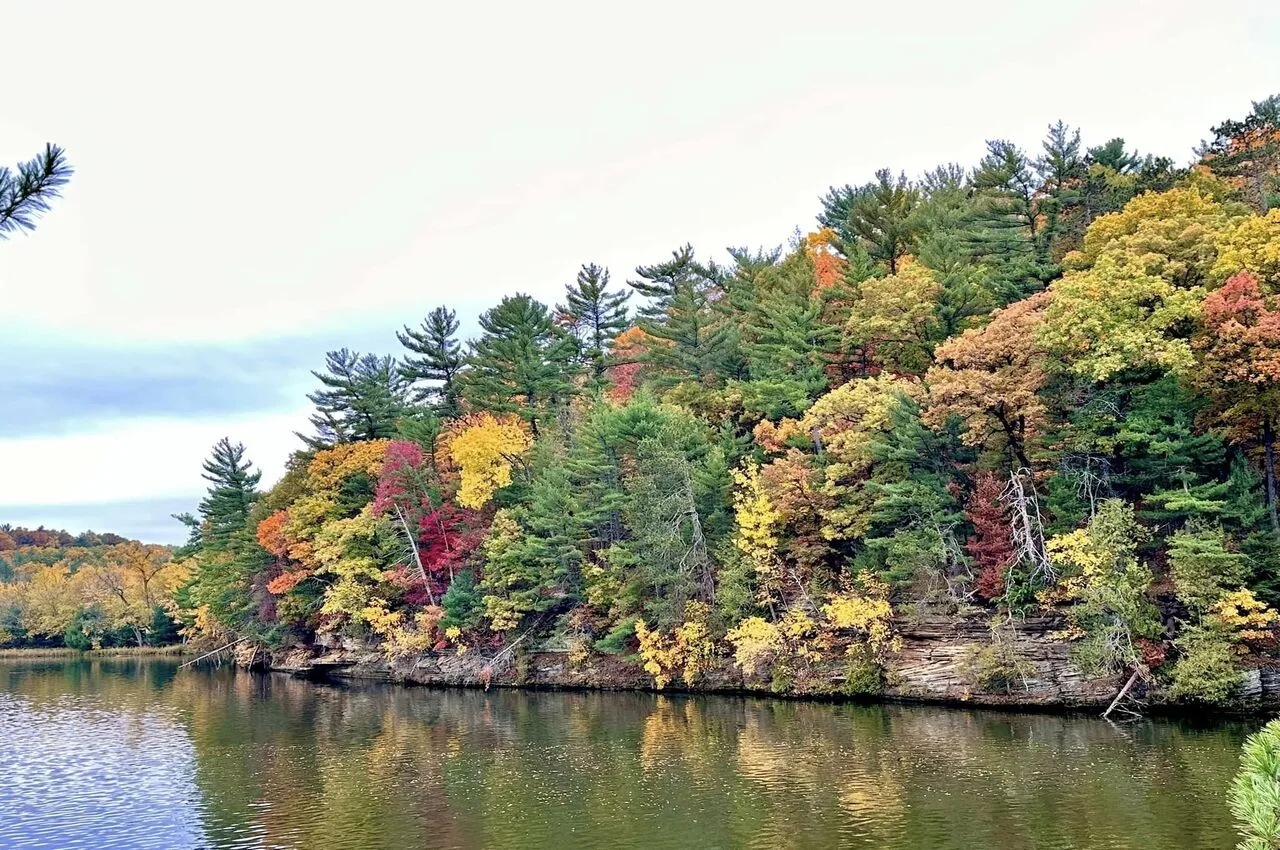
{"x":1269,"y":460}
{"x":1014,"y":437}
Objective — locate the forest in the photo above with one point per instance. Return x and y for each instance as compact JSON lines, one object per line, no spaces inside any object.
{"x":86,"y":591}
{"x":1042,"y":385}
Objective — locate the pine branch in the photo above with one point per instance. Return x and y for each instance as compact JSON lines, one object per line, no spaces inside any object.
{"x":24,"y":196}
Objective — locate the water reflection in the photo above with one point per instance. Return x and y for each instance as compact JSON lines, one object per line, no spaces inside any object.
{"x":107,"y":753}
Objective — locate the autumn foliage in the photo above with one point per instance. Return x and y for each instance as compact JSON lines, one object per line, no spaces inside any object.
{"x":1045,"y":385}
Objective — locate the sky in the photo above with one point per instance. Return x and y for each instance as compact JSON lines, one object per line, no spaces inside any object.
{"x":257,"y":183}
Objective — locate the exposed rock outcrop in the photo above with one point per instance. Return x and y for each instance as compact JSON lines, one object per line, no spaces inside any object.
{"x":937,"y":663}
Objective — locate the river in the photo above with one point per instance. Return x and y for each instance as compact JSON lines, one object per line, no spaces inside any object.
{"x":135,"y":753}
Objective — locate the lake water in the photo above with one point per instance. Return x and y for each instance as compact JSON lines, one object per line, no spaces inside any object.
{"x":136,"y":754}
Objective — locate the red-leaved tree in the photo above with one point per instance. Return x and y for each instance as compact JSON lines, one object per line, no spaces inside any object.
{"x":991,"y":544}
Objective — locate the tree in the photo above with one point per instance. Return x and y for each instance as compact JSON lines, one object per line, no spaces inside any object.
{"x":1061,"y":170}
{"x":1248,"y":153}
{"x":670,"y":553}
{"x":224,"y":511}
{"x":877,"y":216}
{"x":894,"y":321}
{"x":844,"y":425}
{"x":405,"y":494}
{"x":787,"y":338}
{"x":518,"y":578}
{"x":1115,"y":318}
{"x":363,"y":397}
{"x":439,"y":360}
{"x":1007,"y":184}
{"x":991,"y":377}
{"x":1202,"y":568}
{"x":691,"y":342}
{"x":484,"y":450}
{"x":1171,"y":235}
{"x":24,"y":196}
{"x":1004,"y":231}
{"x":991,"y":543}
{"x":1255,"y":792}
{"x":521,"y":364}
{"x":1109,"y":588}
{"x":594,"y":316}
{"x":1239,"y":368}
{"x":133,"y":582}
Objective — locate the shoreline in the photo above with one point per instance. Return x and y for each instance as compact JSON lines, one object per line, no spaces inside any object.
{"x":928,"y":671}
{"x":108,"y":652}
{"x":1163,"y":711}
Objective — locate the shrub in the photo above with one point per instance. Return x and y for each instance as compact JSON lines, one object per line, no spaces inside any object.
{"x":1206,"y":672}
{"x":996,"y":667}
{"x":865,"y":673}
{"x":618,"y":637}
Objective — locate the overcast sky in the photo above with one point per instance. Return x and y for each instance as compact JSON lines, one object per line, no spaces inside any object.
{"x":266,"y":181}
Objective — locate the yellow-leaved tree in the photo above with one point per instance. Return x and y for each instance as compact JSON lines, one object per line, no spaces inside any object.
{"x":484,"y":450}
{"x":757,"y":531}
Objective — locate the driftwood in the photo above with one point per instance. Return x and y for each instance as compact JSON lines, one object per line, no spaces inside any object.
{"x":1123,"y":692}
{"x":222,"y":648}
{"x":493,"y":664}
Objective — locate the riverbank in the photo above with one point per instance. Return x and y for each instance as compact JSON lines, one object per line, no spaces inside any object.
{"x":941,"y":661}
{"x":109,"y":652}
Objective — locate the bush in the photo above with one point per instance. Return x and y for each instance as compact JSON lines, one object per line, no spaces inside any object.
{"x":462,"y":602}
{"x":1255,"y":793}
{"x":87,"y":629}
{"x":865,"y":674}
{"x":1206,"y":672}
{"x":618,"y":637}
{"x":996,"y":667}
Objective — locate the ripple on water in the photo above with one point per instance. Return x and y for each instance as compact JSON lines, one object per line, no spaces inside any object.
{"x":74,"y":775}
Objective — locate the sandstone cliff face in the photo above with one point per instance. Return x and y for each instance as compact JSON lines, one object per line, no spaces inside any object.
{"x":935,"y":664}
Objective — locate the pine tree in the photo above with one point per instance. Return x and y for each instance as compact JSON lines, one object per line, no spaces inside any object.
{"x":26,"y":194}
{"x":695,"y":343}
{"x":226,"y":553}
{"x":1004,"y":232}
{"x":224,"y":511}
{"x":879,"y":216}
{"x":363,"y":396}
{"x":1061,"y":170}
{"x":594,"y":315}
{"x":522,"y":364}
{"x":1248,"y":153}
{"x":439,"y":360}
{"x":787,"y":339}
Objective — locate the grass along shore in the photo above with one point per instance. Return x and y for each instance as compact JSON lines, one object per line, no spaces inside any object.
{"x":62,"y":652}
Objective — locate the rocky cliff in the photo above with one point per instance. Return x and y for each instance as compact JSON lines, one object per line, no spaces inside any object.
{"x":941,"y":660}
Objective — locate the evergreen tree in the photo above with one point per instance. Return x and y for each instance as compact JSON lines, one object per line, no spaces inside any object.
{"x":363,"y":396}
{"x":595,"y":315}
{"x":1061,"y":170}
{"x":914,"y":518}
{"x":26,"y":194}
{"x":1004,"y":232}
{"x":1248,"y":153}
{"x":1246,"y":516}
{"x":438,"y":361}
{"x":878,"y":216}
{"x":694,"y":342}
{"x":233,"y":481}
{"x":522,"y":364}
{"x":790,"y":343}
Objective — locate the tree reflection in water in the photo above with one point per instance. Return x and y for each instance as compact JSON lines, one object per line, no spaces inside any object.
{"x":279,"y":762}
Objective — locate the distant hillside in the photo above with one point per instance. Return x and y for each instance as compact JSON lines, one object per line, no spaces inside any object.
{"x":84,"y":590}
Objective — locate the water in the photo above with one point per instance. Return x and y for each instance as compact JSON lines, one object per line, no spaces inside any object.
{"x":136,"y":754}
